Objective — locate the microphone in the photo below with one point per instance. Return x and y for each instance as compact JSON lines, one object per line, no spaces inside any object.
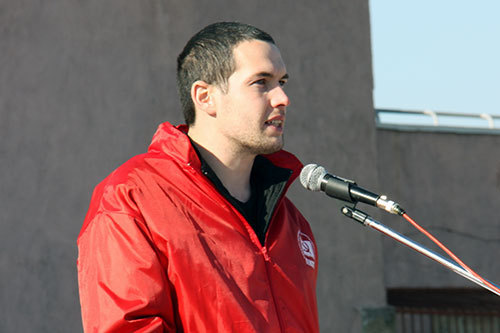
{"x":315,"y":178}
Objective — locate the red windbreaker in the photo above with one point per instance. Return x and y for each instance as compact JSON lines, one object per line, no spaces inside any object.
{"x":161,"y":250}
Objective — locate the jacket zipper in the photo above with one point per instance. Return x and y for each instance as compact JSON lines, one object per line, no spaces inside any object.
{"x":254,"y":238}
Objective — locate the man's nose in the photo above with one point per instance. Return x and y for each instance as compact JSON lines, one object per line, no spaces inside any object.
{"x":279,"y":98}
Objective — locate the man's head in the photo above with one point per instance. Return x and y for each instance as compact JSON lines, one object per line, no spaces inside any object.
{"x":208,"y":56}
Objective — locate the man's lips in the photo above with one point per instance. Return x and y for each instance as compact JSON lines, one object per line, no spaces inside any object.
{"x":276,"y":121}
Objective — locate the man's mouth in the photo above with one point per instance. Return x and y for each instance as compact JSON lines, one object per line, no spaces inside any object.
{"x":276,"y":122}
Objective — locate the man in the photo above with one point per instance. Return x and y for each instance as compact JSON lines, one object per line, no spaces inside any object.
{"x":197,"y":235}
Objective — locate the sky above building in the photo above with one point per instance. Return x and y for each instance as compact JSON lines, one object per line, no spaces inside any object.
{"x":436,"y":55}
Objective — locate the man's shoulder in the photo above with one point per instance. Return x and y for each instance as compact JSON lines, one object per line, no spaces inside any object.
{"x":137,"y":173}
{"x":293,"y":210}
{"x":126,"y":173}
{"x":133,"y":174}
{"x":117,"y":193}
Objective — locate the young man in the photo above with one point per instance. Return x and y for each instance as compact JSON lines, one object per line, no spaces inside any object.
{"x":197,"y":235}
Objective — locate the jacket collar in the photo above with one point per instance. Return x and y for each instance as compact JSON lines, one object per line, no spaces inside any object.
{"x":173,"y":141}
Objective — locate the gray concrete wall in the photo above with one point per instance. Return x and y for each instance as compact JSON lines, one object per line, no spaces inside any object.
{"x":83,"y":85}
{"x":450,"y":184}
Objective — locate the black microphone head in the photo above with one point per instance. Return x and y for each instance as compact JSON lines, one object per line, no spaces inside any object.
{"x":311,"y":177}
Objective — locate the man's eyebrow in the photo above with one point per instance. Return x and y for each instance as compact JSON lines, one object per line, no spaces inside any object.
{"x":267,"y":74}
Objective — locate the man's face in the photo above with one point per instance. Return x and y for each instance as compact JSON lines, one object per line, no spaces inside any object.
{"x":251,"y":113}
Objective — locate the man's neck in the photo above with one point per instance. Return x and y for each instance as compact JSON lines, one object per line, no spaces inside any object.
{"x":231,"y":168}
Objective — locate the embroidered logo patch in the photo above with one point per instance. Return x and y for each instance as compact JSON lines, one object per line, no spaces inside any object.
{"x":306,"y":246}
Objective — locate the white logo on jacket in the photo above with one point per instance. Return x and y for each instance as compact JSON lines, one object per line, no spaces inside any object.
{"x":306,"y":246}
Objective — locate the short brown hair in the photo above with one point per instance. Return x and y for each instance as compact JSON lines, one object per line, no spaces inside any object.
{"x":208,"y":56}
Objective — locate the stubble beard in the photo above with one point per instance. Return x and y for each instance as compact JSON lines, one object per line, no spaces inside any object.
{"x":263,"y":148}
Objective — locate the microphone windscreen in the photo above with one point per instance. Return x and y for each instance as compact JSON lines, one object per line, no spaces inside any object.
{"x":311,"y":177}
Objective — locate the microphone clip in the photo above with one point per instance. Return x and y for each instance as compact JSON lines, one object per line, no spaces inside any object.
{"x":355,"y":214}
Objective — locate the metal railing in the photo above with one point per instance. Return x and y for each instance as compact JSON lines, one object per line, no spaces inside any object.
{"x":437,"y":121}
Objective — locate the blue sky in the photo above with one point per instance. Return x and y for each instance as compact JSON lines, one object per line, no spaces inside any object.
{"x":441,"y":55}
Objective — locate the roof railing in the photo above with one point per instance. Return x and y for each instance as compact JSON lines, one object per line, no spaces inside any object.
{"x":437,"y":121}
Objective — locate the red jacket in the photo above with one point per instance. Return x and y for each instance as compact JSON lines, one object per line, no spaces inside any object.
{"x":162,"y":251}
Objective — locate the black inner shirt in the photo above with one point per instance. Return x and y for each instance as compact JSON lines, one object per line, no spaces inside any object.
{"x":267,"y":182}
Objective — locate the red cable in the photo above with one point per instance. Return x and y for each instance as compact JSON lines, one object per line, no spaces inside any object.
{"x":445,"y":249}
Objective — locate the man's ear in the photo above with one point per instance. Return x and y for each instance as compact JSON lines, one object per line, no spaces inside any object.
{"x":202,"y":96}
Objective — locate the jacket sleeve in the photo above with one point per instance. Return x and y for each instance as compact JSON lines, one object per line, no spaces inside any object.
{"x":123,"y":285}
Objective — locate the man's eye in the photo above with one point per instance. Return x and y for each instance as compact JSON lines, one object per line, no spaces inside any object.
{"x":282,"y":82}
{"x":261,"y":81}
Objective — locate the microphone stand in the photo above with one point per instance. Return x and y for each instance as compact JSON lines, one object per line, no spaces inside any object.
{"x":367,"y":220}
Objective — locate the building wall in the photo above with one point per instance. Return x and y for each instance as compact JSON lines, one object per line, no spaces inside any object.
{"x":83,"y":86}
{"x":450,"y":184}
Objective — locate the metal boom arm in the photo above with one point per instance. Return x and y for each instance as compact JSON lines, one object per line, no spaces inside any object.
{"x":367,"y":220}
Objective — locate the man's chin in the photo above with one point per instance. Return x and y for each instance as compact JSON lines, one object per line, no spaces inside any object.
{"x":269,"y":146}
{"x":272,"y":148}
